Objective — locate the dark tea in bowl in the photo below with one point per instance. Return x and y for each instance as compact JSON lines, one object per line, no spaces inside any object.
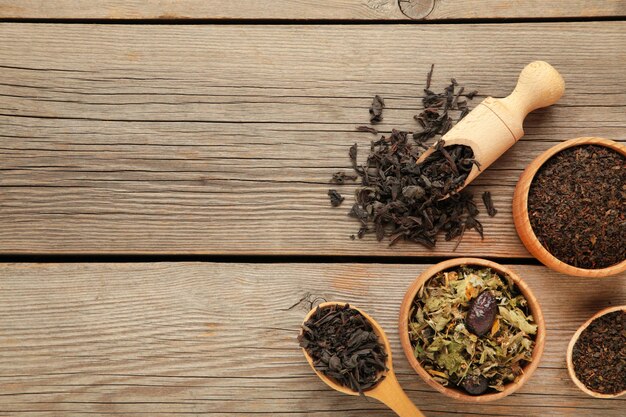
{"x":597,"y":352}
{"x":569,"y":207}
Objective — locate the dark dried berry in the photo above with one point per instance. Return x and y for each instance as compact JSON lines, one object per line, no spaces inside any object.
{"x":482,"y":313}
{"x":475,"y":385}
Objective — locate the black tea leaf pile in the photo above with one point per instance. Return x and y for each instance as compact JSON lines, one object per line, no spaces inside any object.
{"x":403,"y":200}
{"x":344,"y":347}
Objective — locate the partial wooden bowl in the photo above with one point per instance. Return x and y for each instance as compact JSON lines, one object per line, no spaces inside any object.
{"x":455,"y":393}
{"x":570,"y":349}
{"x":522,"y":221}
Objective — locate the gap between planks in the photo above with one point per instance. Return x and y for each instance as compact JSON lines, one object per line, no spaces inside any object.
{"x":303,"y":10}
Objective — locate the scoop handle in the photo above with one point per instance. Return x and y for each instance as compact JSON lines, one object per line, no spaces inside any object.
{"x":539,"y":85}
{"x":390,"y":393}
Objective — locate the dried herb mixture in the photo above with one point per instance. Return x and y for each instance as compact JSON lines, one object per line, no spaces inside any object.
{"x":442,"y":329}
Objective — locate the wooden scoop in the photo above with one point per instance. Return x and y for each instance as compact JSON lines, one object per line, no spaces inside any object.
{"x":388,"y":391}
{"x":496,"y":124}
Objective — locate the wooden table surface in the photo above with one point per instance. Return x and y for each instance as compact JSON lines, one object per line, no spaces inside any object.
{"x":164,"y":168}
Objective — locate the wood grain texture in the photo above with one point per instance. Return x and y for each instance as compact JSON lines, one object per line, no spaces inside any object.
{"x":219,"y":339}
{"x":222,"y":139}
{"x":309,"y":9}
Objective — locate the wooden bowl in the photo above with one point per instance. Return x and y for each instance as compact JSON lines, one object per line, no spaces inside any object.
{"x":522,"y":221}
{"x":570,"y":349}
{"x":456,"y":393}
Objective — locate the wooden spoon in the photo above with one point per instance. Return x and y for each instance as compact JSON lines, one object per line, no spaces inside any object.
{"x":388,"y":391}
{"x":496,"y":124}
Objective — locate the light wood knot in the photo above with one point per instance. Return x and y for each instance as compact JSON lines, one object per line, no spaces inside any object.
{"x":416,"y":9}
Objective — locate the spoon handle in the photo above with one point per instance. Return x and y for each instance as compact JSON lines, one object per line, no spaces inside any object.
{"x":390,"y":393}
{"x":539,"y":85}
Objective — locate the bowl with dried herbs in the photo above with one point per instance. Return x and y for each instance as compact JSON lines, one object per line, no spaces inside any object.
{"x":472,"y":329}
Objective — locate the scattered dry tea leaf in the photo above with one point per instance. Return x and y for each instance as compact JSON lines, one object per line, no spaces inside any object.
{"x":402,"y":200}
{"x":367,"y":129}
{"x":341,"y":177}
{"x":335,"y":198}
{"x":435,"y":119}
{"x":376,"y":109}
{"x":491,"y":210}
